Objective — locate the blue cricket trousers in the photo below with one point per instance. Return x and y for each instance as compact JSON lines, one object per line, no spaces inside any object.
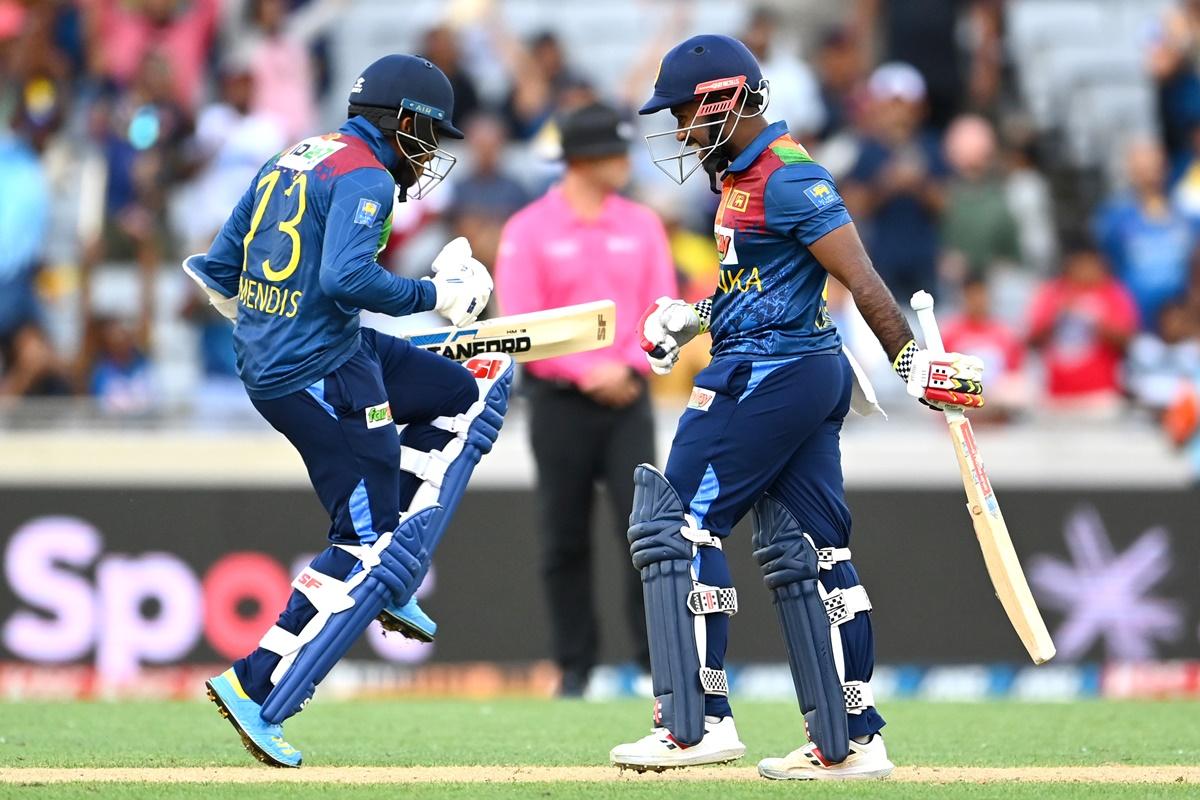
{"x":352,"y":453}
{"x":771,"y":426}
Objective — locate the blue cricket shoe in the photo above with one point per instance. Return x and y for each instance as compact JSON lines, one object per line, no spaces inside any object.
{"x":408,"y":621}
{"x":265,"y":742}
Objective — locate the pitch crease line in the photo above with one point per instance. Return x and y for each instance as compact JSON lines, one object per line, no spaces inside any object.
{"x":592,"y":774}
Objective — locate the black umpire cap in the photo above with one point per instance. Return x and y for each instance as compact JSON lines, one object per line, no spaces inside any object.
{"x":594,"y":131}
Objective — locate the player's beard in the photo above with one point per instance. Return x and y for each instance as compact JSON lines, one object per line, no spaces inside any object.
{"x":405,"y":176}
{"x":715,"y":163}
{"x":717,"y":160}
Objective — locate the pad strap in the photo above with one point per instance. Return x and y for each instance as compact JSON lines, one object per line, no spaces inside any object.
{"x":843,"y":604}
{"x":459,"y":424}
{"x":326,"y":593}
{"x":428,"y":466}
{"x":279,"y":641}
{"x":859,"y":696}
{"x":712,"y":600}
{"x":328,"y":596}
{"x":828,"y":556}
{"x":714,"y":681}
{"x":697,"y":535}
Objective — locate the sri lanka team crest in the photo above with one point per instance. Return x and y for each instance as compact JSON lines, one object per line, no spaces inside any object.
{"x":822,"y":194}
{"x":726,"y":249}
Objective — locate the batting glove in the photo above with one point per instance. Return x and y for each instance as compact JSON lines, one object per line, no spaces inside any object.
{"x":453,"y":255}
{"x":667,"y":326}
{"x":941,"y":380}
{"x":463,"y":284}
{"x":227,"y":306}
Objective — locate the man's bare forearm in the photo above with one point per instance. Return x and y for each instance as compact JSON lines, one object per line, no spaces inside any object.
{"x":843,"y":256}
{"x":882,"y":314}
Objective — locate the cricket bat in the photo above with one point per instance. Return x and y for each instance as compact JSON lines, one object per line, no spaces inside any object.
{"x":526,"y":337}
{"x":1002,"y":564}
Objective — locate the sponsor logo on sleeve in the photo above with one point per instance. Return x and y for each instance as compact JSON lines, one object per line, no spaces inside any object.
{"x":379,"y":416}
{"x":822,"y":194}
{"x":367,"y":211}
{"x":701,"y":399}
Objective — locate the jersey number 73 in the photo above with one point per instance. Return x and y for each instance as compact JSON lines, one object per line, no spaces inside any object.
{"x":267,"y":185}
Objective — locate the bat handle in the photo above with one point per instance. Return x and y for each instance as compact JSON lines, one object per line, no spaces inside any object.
{"x":922,"y":303}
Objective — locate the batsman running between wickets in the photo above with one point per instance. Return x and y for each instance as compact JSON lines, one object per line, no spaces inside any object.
{"x":760,"y":434}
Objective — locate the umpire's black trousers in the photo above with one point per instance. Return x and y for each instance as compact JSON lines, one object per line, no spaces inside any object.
{"x":578,"y":442}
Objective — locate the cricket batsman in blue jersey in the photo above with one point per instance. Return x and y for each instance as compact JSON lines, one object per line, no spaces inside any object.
{"x":293,"y":266}
{"x":760,"y":433}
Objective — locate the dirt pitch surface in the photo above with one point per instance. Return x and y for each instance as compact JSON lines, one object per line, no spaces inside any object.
{"x":386,"y":775}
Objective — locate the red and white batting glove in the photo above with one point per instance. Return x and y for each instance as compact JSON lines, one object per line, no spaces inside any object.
{"x":665,"y":327}
{"x":941,"y":380}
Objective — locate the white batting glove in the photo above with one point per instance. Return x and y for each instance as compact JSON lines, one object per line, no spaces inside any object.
{"x":666,"y":326}
{"x":463,"y":284}
{"x":454,"y":254}
{"x":941,"y":380}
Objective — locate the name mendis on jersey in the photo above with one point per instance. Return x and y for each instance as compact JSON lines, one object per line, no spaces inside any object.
{"x":259,"y":296}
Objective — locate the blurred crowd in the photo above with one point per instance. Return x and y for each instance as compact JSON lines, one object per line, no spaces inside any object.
{"x":132,"y":127}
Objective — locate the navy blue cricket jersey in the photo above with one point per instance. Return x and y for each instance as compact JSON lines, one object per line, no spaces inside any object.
{"x":771,"y":291}
{"x":299,"y":251}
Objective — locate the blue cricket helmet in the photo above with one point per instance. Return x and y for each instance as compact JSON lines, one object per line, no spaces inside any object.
{"x":408,"y":82}
{"x":697,"y":61}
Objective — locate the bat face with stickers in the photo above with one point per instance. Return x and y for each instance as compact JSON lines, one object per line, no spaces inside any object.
{"x":526,"y":337}
{"x":1003,"y":566}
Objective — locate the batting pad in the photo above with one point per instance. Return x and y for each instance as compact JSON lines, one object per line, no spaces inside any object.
{"x":444,"y":473}
{"x":664,"y":556}
{"x":789,"y":564}
{"x":391,"y":571}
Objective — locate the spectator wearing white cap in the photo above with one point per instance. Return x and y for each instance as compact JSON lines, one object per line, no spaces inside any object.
{"x":955,"y":45}
{"x":896,"y":188}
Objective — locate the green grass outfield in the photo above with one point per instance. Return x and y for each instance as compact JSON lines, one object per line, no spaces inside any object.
{"x":542,"y":733}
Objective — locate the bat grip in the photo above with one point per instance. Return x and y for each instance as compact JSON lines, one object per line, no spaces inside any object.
{"x":653,"y":350}
{"x":922,"y":303}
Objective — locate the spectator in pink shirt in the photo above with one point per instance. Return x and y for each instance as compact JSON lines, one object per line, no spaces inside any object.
{"x":591,"y":418}
{"x":122,"y":34}
{"x":277,"y":48}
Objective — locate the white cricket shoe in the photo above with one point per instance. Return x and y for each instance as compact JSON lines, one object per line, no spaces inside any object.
{"x":865,"y":761}
{"x":660,"y":751}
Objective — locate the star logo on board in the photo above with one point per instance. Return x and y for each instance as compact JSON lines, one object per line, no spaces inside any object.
{"x":1106,"y":596}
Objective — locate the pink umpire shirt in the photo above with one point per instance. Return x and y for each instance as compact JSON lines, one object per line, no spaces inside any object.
{"x":549,"y":256}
